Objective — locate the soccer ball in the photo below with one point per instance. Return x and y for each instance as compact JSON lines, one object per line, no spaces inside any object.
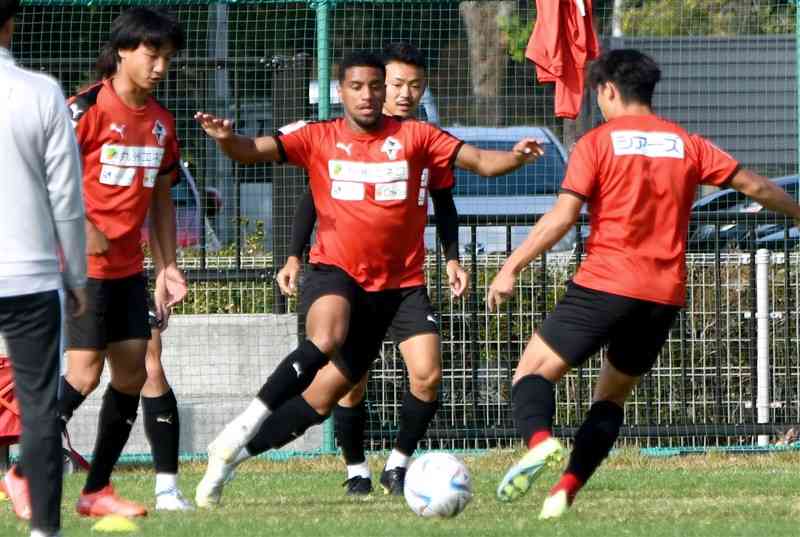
{"x":438,"y":485}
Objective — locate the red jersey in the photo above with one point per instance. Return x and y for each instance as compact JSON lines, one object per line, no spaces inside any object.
{"x":639,"y":175}
{"x":562,"y":43}
{"x":369,"y":195}
{"x":123,"y":151}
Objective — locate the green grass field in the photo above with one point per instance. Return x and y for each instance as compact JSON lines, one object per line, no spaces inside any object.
{"x":707,"y":495}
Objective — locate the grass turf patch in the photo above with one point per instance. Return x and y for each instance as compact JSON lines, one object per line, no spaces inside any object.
{"x":705,"y":495}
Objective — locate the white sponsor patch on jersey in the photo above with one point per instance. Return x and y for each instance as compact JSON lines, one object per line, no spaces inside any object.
{"x":368,"y":172}
{"x":647,"y":144}
{"x":150,"y":175}
{"x":391,"y":191}
{"x":116,"y":176}
{"x":423,"y":187}
{"x":343,"y":190}
{"x":124,"y":155}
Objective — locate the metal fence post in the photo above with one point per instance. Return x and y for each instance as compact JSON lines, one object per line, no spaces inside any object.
{"x":324,"y":80}
{"x":762,"y":341}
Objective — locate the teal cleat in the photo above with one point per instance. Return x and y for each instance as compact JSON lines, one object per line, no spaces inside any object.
{"x":519,"y":477}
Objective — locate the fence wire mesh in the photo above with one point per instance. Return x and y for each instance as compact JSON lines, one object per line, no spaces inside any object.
{"x":729,"y":73}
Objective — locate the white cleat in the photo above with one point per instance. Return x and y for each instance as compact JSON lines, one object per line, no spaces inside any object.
{"x":218,"y":473}
{"x":554,"y":506}
{"x":173,"y":500}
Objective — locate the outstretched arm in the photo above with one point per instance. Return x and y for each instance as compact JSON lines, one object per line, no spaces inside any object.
{"x":490,"y":163}
{"x":548,"y":230}
{"x":239,"y":148}
{"x":765,"y":192}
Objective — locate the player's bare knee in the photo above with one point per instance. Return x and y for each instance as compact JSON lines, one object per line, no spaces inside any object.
{"x":354,"y":397}
{"x":425,"y":385}
{"x":131,"y":382}
{"x":84,"y":381}
{"x":328,"y":342}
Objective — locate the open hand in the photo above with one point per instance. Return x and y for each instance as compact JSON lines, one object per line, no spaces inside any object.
{"x":215,"y":127}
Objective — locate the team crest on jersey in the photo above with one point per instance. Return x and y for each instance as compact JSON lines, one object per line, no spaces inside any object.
{"x":160,"y":132}
{"x":391,"y":147}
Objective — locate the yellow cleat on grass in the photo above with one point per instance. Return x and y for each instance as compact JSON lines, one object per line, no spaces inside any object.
{"x":519,"y":478}
{"x":554,"y":506}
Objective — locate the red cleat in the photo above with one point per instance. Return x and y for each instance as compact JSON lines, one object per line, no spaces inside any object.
{"x":16,"y":488}
{"x":106,"y":502}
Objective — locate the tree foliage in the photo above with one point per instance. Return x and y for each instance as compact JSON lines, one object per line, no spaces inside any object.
{"x":707,"y":17}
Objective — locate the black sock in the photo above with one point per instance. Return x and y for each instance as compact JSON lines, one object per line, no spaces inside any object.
{"x":533,"y":399}
{"x":415,"y":416}
{"x":349,"y":424}
{"x":293,"y":375}
{"x":290,"y":421}
{"x":117,"y":415}
{"x":69,"y":399}
{"x":595,"y":438}
{"x":162,"y":427}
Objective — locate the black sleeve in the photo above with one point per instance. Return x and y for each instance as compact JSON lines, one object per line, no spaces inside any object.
{"x":304,"y":219}
{"x":444,"y":207}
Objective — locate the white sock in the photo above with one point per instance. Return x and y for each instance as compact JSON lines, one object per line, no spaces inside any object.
{"x":242,"y":456}
{"x":396,"y":460}
{"x":246,"y":424}
{"x":361,"y":469}
{"x":40,"y":533}
{"x":166,"y":483}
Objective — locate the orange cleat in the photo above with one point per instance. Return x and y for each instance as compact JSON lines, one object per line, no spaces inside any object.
{"x":106,"y":502}
{"x":16,"y":488}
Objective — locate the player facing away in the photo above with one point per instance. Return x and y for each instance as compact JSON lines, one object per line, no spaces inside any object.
{"x":130,"y":155}
{"x":405,"y":85}
{"x":638,"y":174}
{"x":366,"y":274}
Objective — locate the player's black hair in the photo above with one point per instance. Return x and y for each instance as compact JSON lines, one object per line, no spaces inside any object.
{"x":404,"y":52}
{"x":634,"y":73}
{"x":360,"y":58}
{"x":8,"y":8}
{"x":136,"y":26}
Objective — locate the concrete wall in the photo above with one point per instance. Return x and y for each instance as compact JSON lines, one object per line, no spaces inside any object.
{"x":215,"y":364}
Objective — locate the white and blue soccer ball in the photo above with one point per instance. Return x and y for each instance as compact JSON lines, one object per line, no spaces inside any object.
{"x":438,"y":485}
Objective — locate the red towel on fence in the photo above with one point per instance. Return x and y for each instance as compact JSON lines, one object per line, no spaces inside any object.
{"x":10,"y":421}
{"x":562,"y":44}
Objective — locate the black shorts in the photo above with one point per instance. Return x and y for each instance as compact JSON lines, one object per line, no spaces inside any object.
{"x":585,"y":320}
{"x":116,"y":311}
{"x":404,"y":313}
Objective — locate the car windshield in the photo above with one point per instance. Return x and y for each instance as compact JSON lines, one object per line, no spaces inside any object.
{"x":541,"y":178}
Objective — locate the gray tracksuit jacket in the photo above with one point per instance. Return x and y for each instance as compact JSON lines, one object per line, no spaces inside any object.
{"x":42,"y":237}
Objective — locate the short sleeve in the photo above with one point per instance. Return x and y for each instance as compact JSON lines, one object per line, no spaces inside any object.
{"x":441,"y":178}
{"x":582,"y":170}
{"x":441,"y":146}
{"x":81,"y":120}
{"x":716,"y":167}
{"x":295,"y":143}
